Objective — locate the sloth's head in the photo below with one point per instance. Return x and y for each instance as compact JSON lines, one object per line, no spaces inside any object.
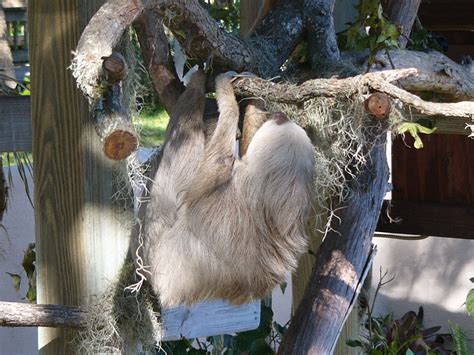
{"x":280,"y":143}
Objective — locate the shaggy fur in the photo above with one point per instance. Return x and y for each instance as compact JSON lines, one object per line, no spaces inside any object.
{"x":217,"y":227}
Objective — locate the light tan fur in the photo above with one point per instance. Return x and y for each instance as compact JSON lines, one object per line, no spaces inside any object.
{"x":220,"y":227}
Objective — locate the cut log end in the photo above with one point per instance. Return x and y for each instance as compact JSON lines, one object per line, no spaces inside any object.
{"x":115,"y":68}
{"x":378,"y":105}
{"x":119,"y":144}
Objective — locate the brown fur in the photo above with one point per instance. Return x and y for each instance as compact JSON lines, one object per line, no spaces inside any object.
{"x":220,"y":227}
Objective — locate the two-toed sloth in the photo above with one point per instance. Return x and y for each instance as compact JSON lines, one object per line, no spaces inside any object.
{"x":221,"y":227}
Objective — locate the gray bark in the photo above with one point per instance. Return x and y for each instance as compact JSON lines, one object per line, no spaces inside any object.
{"x":40,"y":315}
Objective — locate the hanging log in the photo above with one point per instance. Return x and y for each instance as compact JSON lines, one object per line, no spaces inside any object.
{"x":112,"y":122}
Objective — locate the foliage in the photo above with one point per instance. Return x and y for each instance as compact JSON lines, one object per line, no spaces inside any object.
{"x":28,"y":263}
{"x":413,"y":129}
{"x":423,"y":40}
{"x":227,"y":13}
{"x":470,"y":299}
{"x":152,"y":124}
{"x":370,"y":31}
{"x":261,"y":341}
{"x":385,"y":335}
{"x":406,"y":335}
{"x":460,"y":346}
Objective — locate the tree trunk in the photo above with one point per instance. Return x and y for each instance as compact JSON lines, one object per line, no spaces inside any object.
{"x":403,"y":13}
{"x":341,"y":261}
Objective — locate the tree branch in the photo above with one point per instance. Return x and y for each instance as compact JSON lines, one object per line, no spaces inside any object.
{"x":157,"y":58}
{"x":436,"y":73}
{"x":40,"y":315}
{"x":378,"y":81}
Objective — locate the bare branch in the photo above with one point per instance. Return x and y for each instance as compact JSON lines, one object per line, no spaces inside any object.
{"x":40,"y":315}
{"x":436,"y":73}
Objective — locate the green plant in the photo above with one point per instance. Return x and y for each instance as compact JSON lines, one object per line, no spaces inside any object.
{"x":227,"y":13}
{"x":470,"y":299}
{"x":370,"y":31}
{"x":262,"y":341}
{"x":386,"y":335}
{"x":29,"y":265}
{"x":459,"y":346}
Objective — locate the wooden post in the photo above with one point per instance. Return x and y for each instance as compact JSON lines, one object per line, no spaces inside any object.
{"x":81,"y":242}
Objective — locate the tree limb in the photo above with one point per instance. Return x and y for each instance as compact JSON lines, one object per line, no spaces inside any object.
{"x":436,"y":73}
{"x":378,"y":81}
{"x":14,"y":314}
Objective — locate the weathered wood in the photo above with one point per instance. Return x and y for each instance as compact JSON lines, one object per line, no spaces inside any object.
{"x":378,"y":105}
{"x":341,"y":261}
{"x":15,"y":124}
{"x":81,"y":241}
{"x":115,"y":68}
{"x":38,"y":315}
{"x":209,"y":318}
{"x":427,"y":219}
{"x":403,"y":13}
{"x":158,"y":59}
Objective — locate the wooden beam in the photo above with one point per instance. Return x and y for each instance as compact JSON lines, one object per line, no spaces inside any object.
{"x":82,"y":235}
{"x":430,"y":219}
{"x":15,"y":124}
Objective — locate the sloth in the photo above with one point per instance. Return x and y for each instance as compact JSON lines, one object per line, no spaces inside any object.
{"x":221,"y":227}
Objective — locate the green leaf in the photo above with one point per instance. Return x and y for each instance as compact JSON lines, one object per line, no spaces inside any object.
{"x":470,"y":302}
{"x":413,"y":128}
{"x":472,"y":279}
{"x":376,"y":352}
{"x":16,"y":279}
{"x":354,"y":343}
{"x":409,"y":352}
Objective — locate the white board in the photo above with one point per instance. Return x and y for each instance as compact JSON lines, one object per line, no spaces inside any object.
{"x":209,"y":318}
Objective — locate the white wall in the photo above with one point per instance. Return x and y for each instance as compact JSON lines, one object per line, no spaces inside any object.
{"x":433,"y":273}
{"x":19,"y":222}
